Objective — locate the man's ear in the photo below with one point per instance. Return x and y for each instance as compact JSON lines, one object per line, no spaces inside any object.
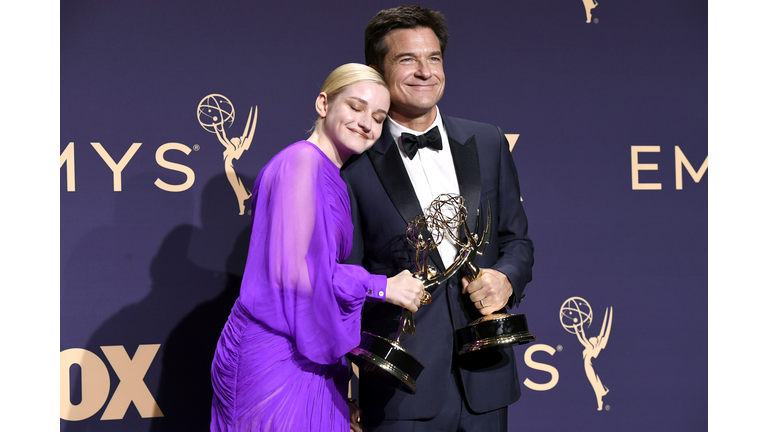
{"x":376,"y":68}
{"x":321,"y":104}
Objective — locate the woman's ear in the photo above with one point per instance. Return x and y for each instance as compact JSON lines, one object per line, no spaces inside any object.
{"x":321,"y":104}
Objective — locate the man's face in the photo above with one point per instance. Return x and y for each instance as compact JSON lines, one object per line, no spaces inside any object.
{"x":413,"y":70}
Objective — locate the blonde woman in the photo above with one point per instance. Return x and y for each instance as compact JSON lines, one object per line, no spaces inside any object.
{"x":279,"y":361}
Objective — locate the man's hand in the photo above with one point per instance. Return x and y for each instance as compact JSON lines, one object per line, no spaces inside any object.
{"x":354,"y":417}
{"x":490,"y":291}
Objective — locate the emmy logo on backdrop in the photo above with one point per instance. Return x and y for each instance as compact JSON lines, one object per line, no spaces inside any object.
{"x":574,"y":315}
{"x":214,"y":112}
{"x":588,"y":6}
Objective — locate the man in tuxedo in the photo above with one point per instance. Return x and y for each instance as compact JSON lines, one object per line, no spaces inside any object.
{"x":420,"y":155}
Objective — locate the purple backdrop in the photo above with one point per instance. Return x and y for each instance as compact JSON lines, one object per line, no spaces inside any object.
{"x":144,"y":265}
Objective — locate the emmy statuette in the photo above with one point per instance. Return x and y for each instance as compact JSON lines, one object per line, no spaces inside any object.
{"x":498,"y":328}
{"x":388,"y":359}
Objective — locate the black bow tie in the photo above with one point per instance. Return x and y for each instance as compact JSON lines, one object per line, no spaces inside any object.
{"x":412,"y":143}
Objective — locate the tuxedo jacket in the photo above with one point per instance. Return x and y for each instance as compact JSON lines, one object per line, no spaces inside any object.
{"x":383,"y":202}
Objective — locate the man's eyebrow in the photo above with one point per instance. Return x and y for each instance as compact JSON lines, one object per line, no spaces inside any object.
{"x":410,"y":54}
{"x":403,"y":54}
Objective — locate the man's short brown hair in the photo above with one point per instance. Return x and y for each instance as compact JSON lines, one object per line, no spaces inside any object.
{"x":401,"y":17}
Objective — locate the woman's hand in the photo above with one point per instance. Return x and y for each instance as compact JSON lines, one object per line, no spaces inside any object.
{"x":354,"y":417}
{"x":405,"y":291}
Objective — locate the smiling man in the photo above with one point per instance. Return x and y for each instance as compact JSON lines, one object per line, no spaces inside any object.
{"x":420,"y":155}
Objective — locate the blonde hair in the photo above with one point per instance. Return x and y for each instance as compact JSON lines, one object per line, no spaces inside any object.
{"x":345,"y":75}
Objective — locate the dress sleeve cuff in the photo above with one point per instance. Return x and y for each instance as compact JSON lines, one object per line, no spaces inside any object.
{"x":377,"y":289}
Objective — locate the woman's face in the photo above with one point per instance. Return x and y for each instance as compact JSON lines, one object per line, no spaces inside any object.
{"x":354,"y":119}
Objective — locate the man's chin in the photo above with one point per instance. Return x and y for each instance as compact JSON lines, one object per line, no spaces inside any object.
{"x":414,"y":110}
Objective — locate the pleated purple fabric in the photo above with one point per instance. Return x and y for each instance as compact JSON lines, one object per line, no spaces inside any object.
{"x":279,"y":361}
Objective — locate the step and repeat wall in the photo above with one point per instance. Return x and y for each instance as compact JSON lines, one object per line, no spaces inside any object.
{"x":605,"y":105}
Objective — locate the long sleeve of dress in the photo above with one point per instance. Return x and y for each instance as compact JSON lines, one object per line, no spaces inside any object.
{"x":294,"y":281}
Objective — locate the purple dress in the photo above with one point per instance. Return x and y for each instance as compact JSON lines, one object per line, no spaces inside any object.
{"x":279,"y":361}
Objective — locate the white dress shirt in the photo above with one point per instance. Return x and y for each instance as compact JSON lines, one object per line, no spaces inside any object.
{"x":431,"y":173}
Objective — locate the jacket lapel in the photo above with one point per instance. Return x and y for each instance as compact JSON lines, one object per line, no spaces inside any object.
{"x":467,"y":165}
{"x":386,"y":161}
